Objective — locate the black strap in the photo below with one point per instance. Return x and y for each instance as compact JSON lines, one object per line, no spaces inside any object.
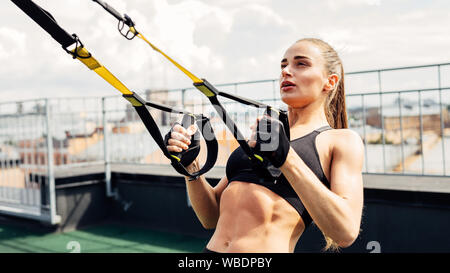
{"x":46,"y":21}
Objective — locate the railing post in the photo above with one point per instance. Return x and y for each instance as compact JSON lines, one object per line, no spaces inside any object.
{"x":54,"y":219}
{"x":421,"y":132}
{"x":109,"y":191}
{"x":364,"y":132}
{"x":183,"y":97}
{"x":442,"y":120}
{"x":401,"y":131}
{"x":382,"y":121}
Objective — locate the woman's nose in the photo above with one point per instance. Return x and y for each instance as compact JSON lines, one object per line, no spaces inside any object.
{"x":286,"y":71}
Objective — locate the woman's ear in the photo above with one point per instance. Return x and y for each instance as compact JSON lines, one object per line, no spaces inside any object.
{"x":332,"y":82}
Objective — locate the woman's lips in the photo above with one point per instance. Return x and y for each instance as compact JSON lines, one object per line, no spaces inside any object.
{"x":287,"y":86}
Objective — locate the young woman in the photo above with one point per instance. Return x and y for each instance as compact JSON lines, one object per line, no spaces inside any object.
{"x":321,"y":166}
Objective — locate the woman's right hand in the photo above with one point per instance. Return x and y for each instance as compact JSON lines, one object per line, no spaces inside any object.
{"x":180,"y":139}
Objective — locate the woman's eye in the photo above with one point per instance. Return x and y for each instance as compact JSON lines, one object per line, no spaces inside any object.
{"x":301,"y":63}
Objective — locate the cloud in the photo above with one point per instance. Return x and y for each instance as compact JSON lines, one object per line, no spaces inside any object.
{"x":334,"y":5}
{"x":244,"y":41}
{"x":12,"y":43}
{"x":221,"y":40}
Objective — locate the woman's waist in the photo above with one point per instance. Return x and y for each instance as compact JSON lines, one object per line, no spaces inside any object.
{"x":265,"y":226}
{"x":257,"y":205}
{"x":239,"y":237}
{"x":242,"y":224}
{"x":250,"y":244}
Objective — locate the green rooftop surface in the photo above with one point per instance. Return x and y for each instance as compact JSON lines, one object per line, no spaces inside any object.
{"x":106,"y":238}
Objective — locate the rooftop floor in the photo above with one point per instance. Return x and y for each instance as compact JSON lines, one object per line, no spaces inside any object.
{"x":105,"y":238}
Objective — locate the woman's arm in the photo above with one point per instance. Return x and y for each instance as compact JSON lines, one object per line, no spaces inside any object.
{"x":336,"y":211}
{"x":204,"y":198}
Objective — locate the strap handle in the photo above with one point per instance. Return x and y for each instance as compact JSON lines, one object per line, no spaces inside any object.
{"x":139,"y":105}
{"x":123,"y":20}
{"x":282,"y":116}
{"x":186,"y":157}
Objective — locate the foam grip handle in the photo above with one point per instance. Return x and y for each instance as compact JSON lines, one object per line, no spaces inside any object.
{"x":282,"y":116}
{"x":187,"y":156}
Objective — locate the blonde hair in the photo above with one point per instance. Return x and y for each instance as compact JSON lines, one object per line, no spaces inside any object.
{"x":335,"y":109}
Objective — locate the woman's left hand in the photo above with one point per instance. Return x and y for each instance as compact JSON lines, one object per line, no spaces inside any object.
{"x":269,"y":140}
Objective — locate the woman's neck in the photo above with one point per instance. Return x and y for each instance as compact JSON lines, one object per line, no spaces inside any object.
{"x":309,"y":116}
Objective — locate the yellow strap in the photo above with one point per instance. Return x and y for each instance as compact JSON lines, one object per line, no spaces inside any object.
{"x":194,"y":78}
{"x":94,"y":65}
{"x":205,"y":90}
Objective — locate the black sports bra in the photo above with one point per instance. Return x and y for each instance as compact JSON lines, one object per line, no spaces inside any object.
{"x":239,"y":169}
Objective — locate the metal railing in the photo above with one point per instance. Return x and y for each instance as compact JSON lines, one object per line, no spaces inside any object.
{"x":27,"y":183}
{"x":401,"y":114}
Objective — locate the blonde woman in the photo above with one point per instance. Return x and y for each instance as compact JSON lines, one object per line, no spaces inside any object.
{"x":321,"y":167}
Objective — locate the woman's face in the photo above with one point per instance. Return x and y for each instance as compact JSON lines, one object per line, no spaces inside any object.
{"x":303,"y":75}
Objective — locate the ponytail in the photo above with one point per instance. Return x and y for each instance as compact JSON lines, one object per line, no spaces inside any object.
{"x":335,"y":108}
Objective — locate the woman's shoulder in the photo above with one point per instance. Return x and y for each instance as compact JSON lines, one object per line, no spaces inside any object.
{"x":345,"y":134}
{"x":345,"y":140}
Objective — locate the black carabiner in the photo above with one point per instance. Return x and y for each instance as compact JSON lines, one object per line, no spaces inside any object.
{"x":78,"y":44}
{"x":130,"y":24}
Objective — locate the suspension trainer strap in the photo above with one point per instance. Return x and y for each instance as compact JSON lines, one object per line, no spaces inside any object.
{"x":262,"y":166}
{"x":48,"y":23}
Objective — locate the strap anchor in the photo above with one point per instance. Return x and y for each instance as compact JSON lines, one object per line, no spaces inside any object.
{"x":78,"y":46}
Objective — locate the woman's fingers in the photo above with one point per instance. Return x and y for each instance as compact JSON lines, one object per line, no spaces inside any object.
{"x":174,"y":149}
{"x":180,"y":144}
{"x":184,"y":138}
{"x":180,"y":138}
{"x":179,"y":129}
{"x":191,"y":130}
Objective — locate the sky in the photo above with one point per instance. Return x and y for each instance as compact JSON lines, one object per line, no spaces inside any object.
{"x":221,"y":40}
